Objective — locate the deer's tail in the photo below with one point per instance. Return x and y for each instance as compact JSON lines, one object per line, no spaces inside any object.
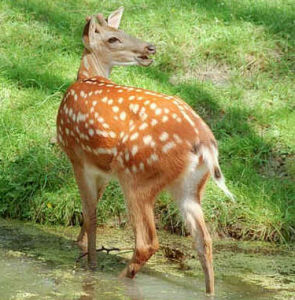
{"x":210,"y":157}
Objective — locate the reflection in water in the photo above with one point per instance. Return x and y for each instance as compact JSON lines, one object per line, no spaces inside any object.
{"x":132,"y":289}
{"x":88,"y":288}
{"x":36,"y":264}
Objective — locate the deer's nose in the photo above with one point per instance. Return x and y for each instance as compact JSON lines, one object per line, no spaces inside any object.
{"x":151,"y":49}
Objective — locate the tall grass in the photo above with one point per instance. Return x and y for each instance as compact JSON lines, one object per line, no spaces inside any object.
{"x":232,"y":61}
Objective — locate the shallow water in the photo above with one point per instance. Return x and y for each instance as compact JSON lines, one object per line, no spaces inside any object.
{"x":39,"y":263}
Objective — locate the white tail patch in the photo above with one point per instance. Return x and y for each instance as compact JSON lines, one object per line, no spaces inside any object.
{"x":210,"y":156}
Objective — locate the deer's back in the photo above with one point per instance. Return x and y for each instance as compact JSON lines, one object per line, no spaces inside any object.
{"x":126,"y":129}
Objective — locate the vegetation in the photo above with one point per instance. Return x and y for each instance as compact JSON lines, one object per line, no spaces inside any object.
{"x":232,"y":61}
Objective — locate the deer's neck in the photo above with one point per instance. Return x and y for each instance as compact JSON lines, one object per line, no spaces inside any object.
{"x":91,"y":65}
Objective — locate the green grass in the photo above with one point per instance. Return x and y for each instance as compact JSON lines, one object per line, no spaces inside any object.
{"x":232,"y":61}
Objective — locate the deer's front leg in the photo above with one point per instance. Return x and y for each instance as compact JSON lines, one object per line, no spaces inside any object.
{"x":90,"y":188}
{"x":82,"y":240}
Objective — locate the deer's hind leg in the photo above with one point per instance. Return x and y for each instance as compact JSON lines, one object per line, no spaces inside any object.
{"x":188,"y":192}
{"x":90,"y":186}
{"x":140,"y":205}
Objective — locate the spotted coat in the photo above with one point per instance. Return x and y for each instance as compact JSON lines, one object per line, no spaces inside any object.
{"x":126,"y":129}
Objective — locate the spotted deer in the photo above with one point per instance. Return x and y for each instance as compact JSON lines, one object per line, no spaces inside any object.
{"x":148,"y":141}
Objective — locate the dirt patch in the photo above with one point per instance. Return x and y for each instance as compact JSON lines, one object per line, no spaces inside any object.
{"x":255,"y":63}
{"x":214,"y":72}
{"x":281,"y":165}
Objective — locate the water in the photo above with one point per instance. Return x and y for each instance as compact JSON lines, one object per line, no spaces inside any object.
{"x":39,"y":263}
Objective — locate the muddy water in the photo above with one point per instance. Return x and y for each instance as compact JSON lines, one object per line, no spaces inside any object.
{"x":38,"y":262}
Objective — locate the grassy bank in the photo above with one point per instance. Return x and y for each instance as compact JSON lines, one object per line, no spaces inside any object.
{"x":233,"y":61}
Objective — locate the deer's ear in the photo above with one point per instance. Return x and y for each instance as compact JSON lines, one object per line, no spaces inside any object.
{"x":88,"y":37}
{"x":114,"y":18}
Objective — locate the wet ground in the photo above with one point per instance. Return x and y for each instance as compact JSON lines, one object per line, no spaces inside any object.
{"x":38,"y":262}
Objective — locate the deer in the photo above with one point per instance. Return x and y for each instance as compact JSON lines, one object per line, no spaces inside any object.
{"x":148,"y":141}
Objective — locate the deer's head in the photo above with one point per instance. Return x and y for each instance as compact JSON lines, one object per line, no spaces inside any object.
{"x":103,"y":38}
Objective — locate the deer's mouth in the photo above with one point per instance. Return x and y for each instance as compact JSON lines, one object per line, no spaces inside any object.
{"x":143,"y":60}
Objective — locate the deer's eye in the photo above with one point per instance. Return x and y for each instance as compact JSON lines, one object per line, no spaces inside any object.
{"x":113,"y":40}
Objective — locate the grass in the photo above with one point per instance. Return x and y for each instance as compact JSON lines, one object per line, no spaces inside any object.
{"x":232,"y":61}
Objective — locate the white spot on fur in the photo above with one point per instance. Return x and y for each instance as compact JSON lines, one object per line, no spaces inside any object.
{"x":125,"y":138}
{"x":141,"y":166}
{"x":127,"y":155}
{"x":143,"y":126}
{"x":154,"y":157}
{"x":134,"y":168}
{"x":134,"y":108}
{"x":153,"y":105}
{"x":134,"y":136}
{"x":154,"y":122}
{"x":143,"y":116}
{"x":106,"y":151}
{"x":119,"y":158}
{"x":115,"y":109}
{"x":147,"y":139}
{"x":112,"y":134}
{"x":168,"y":147}
{"x":188,"y":119}
{"x":101,"y":132}
{"x":177,"y":138}
{"x":91,"y":132}
{"x":158,"y":111}
{"x":165,"y":119}
{"x":82,"y":94}
{"x":164,"y":136}
{"x":134,"y":150}
{"x":123,"y":115}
